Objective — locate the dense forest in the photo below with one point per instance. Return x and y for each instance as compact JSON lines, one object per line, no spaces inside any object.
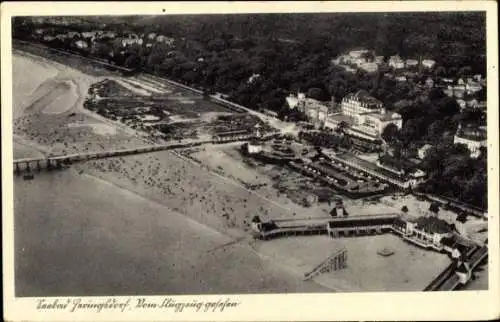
{"x":257,"y":60}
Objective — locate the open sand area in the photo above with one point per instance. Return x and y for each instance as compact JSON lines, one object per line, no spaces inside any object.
{"x":30,"y":75}
{"x":408,"y":269}
{"x":181,"y":184}
{"x":52,"y":115}
{"x":52,"y":97}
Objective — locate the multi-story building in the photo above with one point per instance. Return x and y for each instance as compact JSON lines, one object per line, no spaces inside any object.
{"x":375,"y":123}
{"x":472,"y":137}
{"x":360,"y":102}
{"x":369,"y":116}
{"x":315,"y":110}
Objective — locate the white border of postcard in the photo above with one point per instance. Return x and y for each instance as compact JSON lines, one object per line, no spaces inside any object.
{"x":464,"y":305}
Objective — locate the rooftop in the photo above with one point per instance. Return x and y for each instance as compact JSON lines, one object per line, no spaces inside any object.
{"x":385,"y":116}
{"x":341,"y":118}
{"x":363,"y":96}
{"x":433,"y":224}
{"x":426,"y":147}
{"x":472,"y":133}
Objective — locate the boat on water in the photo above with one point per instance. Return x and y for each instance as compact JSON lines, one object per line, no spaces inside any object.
{"x":29,"y":176}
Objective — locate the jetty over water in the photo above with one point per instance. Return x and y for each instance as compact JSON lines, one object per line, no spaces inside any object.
{"x":55,"y":162}
{"x":51,"y":162}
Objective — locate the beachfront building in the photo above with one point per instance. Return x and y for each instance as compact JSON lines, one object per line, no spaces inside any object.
{"x":472,"y":137}
{"x":368,"y":114}
{"x":429,"y":231}
{"x":358,"y":103}
{"x":375,"y":123}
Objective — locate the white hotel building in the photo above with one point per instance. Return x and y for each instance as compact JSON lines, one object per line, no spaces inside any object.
{"x":369,"y":115}
{"x":364,"y":115}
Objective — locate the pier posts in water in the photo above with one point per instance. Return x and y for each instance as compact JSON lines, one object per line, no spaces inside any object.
{"x":17,"y":170}
{"x":28,"y":166}
{"x":49,"y":164}
{"x":38,"y":167}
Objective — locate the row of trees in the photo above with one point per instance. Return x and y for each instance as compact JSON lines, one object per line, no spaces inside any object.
{"x":291,"y":52}
{"x":453,"y":173}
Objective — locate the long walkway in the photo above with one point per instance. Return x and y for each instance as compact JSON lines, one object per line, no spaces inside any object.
{"x":47,"y":162}
{"x":115,"y":152}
